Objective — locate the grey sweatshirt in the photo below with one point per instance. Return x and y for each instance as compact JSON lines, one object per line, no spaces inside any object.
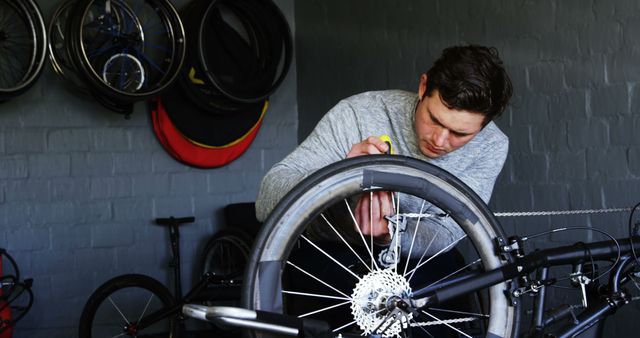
{"x":390,"y":112}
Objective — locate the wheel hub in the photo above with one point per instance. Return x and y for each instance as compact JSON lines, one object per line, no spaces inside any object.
{"x":369,"y":301}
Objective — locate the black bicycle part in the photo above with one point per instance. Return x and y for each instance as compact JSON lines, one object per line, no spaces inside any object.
{"x":57,"y":45}
{"x":337,"y":183}
{"x":566,"y":255}
{"x":23,"y":42}
{"x":126,"y":50}
{"x":225,"y":255}
{"x":174,"y":241}
{"x":18,"y":298}
{"x":268,"y":34}
{"x":142,"y":311}
{"x":196,"y":86}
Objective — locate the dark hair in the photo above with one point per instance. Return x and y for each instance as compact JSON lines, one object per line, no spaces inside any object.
{"x":471,"y":78}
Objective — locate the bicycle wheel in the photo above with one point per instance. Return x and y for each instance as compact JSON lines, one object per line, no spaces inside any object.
{"x":22,"y":46}
{"x":226,"y":255}
{"x":116,"y":308}
{"x":256,"y":64}
{"x":343,"y":281}
{"x":127,"y":50}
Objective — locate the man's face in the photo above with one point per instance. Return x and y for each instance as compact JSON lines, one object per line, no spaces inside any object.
{"x":441,"y":130}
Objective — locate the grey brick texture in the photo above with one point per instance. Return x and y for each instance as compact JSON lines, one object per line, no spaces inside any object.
{"x":80,"y":186}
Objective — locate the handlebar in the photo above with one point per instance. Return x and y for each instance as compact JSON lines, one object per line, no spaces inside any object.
{"x":260,"y":320}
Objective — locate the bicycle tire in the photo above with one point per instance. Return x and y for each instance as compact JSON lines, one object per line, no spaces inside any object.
{"x":20,"y":72}
{"x":225,"y":254}
{"x":57,"y":46}
{"x":262,"y":288}
{"x":113,"y":301}
{"x":272,"y":43}
{"x":151,"y":33}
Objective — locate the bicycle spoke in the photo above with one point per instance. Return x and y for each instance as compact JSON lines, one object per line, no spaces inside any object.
{"x":445,"y":323}
{"x":370,"y":250}
{"x":118,"y":309}
{"x":344,"y":326}
{"x":413,"y":239}
{"x":345,"y":241}
{"x":318,"y":279}
{"x":421,"y":257}
{"x":396,"y":249}
{"x":438,"y":253}
{"x":330,"y":257}
{"x":455,"y":272}
{"x":314,"y":295}
{"x":371,"y":220}
{"x":145,"y":307}
{"x":324,"y":309}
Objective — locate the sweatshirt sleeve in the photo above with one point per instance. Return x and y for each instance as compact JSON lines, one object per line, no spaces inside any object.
{"x":329,"y":142}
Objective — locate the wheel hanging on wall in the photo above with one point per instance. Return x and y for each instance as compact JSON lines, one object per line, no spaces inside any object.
{"x":57,"y":45}
{"x":241,"y":50}
{"x":23,"y":41}
{"x":125,"y":50}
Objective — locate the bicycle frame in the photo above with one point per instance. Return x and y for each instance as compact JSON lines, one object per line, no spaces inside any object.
{"x":431,"y":296}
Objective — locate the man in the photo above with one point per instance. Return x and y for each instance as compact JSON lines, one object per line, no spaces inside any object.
{"x":449,"y":124}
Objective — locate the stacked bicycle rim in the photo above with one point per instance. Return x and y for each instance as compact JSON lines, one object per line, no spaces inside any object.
{"x":22,"y":46}
{"x":119,"y":51}
{"x":238,"y":54}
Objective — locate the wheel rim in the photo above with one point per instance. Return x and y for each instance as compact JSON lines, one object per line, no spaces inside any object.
{"x":275,"y":256}
{"x":145,"y":37}
{"x":120,"y":308}
{"x":22,"y":46}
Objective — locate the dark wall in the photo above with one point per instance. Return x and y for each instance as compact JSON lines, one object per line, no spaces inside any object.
{"x":573,"y":122}
{"x":80,"y":185}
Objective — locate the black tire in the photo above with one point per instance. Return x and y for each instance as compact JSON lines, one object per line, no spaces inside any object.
{"x":273,"y":261}
{"x":23,"y":41}
{"x":270,"y":49}
{"x":144,"y":36}
{"x":226,"y":255}
{"x":57,"y":45}
{"x":131,"y":297}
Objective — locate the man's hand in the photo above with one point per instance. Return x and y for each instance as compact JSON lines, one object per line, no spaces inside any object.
{"x":372,"y":207}
{"x":371,"y":146}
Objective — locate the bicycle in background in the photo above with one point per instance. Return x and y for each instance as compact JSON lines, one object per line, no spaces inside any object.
{"x":135,"y":305}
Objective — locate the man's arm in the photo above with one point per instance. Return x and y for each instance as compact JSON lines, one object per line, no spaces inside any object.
{"x":329,"y":142}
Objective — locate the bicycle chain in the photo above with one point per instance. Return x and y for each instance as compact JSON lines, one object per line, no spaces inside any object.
{"x":531,"y":213}
{"x":445,"y":321}
{"x":559,"y":212}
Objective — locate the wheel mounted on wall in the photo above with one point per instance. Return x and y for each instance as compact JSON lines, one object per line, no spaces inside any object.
{"x":23,"y":42}
{"x":124,"y":50}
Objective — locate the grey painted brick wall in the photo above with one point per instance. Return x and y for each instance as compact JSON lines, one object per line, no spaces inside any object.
{"x":80,"y":185}
{"x":576,"y":111}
